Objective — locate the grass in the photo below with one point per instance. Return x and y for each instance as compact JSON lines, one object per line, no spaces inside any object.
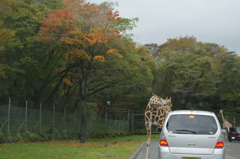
{"x":107,"y":148}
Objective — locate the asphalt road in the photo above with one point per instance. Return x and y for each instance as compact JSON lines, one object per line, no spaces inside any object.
{"x":232,"y":150}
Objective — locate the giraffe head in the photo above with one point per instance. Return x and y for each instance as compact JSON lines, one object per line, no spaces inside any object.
{"x":168,"y":104}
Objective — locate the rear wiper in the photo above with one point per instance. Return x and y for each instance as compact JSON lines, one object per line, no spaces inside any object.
{"x":189,"y":131}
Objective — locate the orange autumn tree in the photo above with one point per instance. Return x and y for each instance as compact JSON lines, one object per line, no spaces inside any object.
{"x":85,"y":35}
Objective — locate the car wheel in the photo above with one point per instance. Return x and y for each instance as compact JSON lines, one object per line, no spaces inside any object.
{"x":230,"y":140}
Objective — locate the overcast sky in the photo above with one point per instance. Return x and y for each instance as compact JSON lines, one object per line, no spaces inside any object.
{"x":214,"y":21}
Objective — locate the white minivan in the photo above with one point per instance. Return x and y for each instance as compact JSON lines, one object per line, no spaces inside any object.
{"x":191,"y":134}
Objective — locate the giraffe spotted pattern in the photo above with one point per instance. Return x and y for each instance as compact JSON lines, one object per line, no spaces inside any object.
{"x":155,"y":114}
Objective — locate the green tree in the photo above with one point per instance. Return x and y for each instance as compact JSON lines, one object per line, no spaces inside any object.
{"x":23,"y":59}
{"x":136,"y":73}
{"x":191,"y":71}
{"x":88,"y":43}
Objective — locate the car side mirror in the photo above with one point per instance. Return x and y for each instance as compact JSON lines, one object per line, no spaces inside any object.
{"x":224,"y":131}
{"x":159,"y":129}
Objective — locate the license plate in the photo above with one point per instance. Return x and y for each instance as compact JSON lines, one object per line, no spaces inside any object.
{"x":233,"y":137}
{"x":190,"y":158}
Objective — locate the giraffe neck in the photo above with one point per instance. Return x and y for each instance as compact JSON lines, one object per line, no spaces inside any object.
{"x":223,"y":116}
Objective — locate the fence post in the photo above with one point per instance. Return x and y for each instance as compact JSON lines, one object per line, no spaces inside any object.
{"x":53,"y":116}
{"x":40,"y":118}
{"x":99,"y":115}
{"x":120,"y":124}
{"x":91,"y":125}
{"x":132,"y":122}
{"x":106,"y":117}
{"x":26,"y":116}
{"x":64,"y":117}
{"x":123,"y":121}
{"x":110,"y":126}
{"x":75,"y":118}
{"x":128,"y":120}
{"x":9,"y":104}
{"x":116,"y":123}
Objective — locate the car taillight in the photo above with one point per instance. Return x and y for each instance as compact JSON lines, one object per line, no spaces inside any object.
{"x":163,"y":143}
{"x":219,"y":145}
{"x":191,"y":116}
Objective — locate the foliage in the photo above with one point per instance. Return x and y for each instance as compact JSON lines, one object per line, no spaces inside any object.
{"x":194,"y":72}
{"x":79,"y":55}
{"x":91,"y":42}
{"x":22,"y":58}
{"x":55,"y":134}
{"x":2,"y":138}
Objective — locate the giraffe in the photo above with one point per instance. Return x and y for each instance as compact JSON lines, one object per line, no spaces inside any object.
{"x":155,"y":113}
{"x":226,"y":124}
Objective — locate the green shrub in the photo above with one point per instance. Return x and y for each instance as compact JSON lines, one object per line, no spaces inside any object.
{"x":44,"y":137}
{"x":17,"y":138}
{"x":49,"y":136}
{"x":107,"y":134}
{"x":55,"y":134}
{"x":98,"y":136}
{"x":2,"y":138}
{"x":38,"y":137}
{"x":130,"y":133}
{"x":64,"y":135}
{"x":28,"y":137}
{"x":103,"y":135}
{"x":8,"y":139}
{"x":74,"y":135}
{"x":64,"y":132}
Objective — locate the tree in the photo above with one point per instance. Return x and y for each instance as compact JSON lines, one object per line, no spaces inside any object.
{"x":88,"y":37}
{"x":136,"y":73}
{"x":190,"y":69}
{"x":19,"y":25}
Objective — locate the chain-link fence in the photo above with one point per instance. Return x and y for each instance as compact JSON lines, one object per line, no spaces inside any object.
{"x":139,"y":123}
{"x":15,"y":119}
{"x":114,"y":120}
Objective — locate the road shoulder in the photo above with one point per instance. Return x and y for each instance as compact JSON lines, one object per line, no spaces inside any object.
{"x":136,"y":153}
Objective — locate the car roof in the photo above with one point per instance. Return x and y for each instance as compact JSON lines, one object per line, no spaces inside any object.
{"x":200,"y":112}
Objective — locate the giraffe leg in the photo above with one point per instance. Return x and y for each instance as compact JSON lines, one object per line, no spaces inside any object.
{"x":148,"y":128}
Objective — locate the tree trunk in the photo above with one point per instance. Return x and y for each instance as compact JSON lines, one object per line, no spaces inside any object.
{"x":83,"y":128}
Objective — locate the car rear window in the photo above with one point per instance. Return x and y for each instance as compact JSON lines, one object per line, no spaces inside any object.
{"x":191,"y":124}
{"x":235,"y":129}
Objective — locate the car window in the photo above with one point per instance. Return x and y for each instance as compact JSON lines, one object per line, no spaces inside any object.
{"x":191,"y":124}
{"x":233,"y":130}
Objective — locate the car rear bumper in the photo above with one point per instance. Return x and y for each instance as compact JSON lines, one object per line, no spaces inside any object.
{"x":163,"y":153}
{"x":234,"y":137}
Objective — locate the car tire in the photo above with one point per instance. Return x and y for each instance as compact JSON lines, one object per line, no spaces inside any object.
{"x":230,"y":140}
